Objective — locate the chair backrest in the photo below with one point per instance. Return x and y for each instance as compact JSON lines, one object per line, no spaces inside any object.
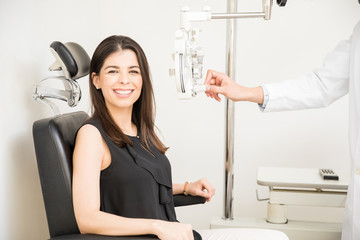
{"x":54,"y":140}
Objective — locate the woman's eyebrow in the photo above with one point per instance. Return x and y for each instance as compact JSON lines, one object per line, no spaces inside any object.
{"x":111,"y":66}
{"x":117,"y":67}
{"x":135,"y":66}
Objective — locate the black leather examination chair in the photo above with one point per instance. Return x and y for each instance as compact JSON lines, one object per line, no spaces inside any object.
{"x":54,"y":139}
{"x":54,"y":144}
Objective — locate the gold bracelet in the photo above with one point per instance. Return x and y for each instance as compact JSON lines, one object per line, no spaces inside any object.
{"x":185,"y":186}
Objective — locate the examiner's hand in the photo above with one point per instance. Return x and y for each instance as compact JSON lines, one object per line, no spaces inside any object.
{"x":173,"y":231}
{"x":220,"y":83}
{"x":201,"y":188}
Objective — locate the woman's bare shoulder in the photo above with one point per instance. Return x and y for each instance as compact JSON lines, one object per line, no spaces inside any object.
{"x":88,"y":133}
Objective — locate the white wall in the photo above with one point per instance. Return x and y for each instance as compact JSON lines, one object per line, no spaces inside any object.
{"x":293,"y":42}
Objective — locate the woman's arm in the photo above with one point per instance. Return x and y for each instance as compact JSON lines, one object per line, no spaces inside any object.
{"x":90,"y":153}
{"x":201,"y":188}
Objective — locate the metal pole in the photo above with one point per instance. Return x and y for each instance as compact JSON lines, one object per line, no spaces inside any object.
{"x":237,"y":15}
{"x":229,"y":151}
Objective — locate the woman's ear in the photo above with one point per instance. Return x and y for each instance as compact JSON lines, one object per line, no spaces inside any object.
{"x":95,"y":80}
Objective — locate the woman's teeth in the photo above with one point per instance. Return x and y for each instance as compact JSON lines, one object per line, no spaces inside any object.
{"x":123,"y":92}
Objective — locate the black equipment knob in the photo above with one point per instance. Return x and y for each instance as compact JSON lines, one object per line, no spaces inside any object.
{"x":281,"y":3}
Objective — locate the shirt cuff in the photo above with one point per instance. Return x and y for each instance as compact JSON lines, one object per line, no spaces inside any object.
{"x":266,"y":98}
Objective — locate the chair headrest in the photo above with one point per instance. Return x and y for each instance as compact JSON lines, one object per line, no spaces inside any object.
{"x":71,"y":58}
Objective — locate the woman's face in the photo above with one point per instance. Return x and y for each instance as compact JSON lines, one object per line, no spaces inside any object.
{"x":120,"y":80}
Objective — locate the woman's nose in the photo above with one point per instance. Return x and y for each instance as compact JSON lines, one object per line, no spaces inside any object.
{"x":124,"y":79}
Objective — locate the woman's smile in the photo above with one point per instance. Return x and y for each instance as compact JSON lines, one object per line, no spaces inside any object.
{"x":123,"y":92}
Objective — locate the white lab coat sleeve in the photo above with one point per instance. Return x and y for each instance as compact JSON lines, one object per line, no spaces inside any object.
{"x":315,"y":89}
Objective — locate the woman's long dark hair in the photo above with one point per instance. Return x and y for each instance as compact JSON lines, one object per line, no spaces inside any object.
{"x":143,"y":115}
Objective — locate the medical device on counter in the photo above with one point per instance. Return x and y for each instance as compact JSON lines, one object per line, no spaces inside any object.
{"x":294,"y":188}
{"x":72,"y":62}
{"x":305,"y":187}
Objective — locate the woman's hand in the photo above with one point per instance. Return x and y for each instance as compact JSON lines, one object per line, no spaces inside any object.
{"x":173,"y":230}
{"x":201,"y":188}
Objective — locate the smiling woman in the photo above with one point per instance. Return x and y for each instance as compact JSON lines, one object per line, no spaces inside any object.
{"x":118,"y":63}
{"x":120,"y":82}
{"x":121,"y":177}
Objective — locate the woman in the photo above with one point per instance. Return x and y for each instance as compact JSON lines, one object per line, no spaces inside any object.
{"x":121,"y":177}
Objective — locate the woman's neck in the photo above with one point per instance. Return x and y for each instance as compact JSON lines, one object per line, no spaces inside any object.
{"x":123,"y":119}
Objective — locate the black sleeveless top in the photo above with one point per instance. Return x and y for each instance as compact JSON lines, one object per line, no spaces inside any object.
{"x":137,"y":183}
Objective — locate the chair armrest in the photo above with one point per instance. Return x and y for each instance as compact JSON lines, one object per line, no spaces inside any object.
{"x":182,"y":200}
{"x":179,"y":201}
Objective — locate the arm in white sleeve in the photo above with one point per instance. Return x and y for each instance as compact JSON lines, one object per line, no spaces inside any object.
{"x":266,"y":98}
{"x":316,"y":89}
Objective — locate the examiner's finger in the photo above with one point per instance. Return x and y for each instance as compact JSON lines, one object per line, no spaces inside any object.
{"x":211,"y":74}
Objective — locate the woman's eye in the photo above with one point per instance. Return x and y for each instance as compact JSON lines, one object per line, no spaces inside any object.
{"x":134,"y":72}
{"x":112,"y":71}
